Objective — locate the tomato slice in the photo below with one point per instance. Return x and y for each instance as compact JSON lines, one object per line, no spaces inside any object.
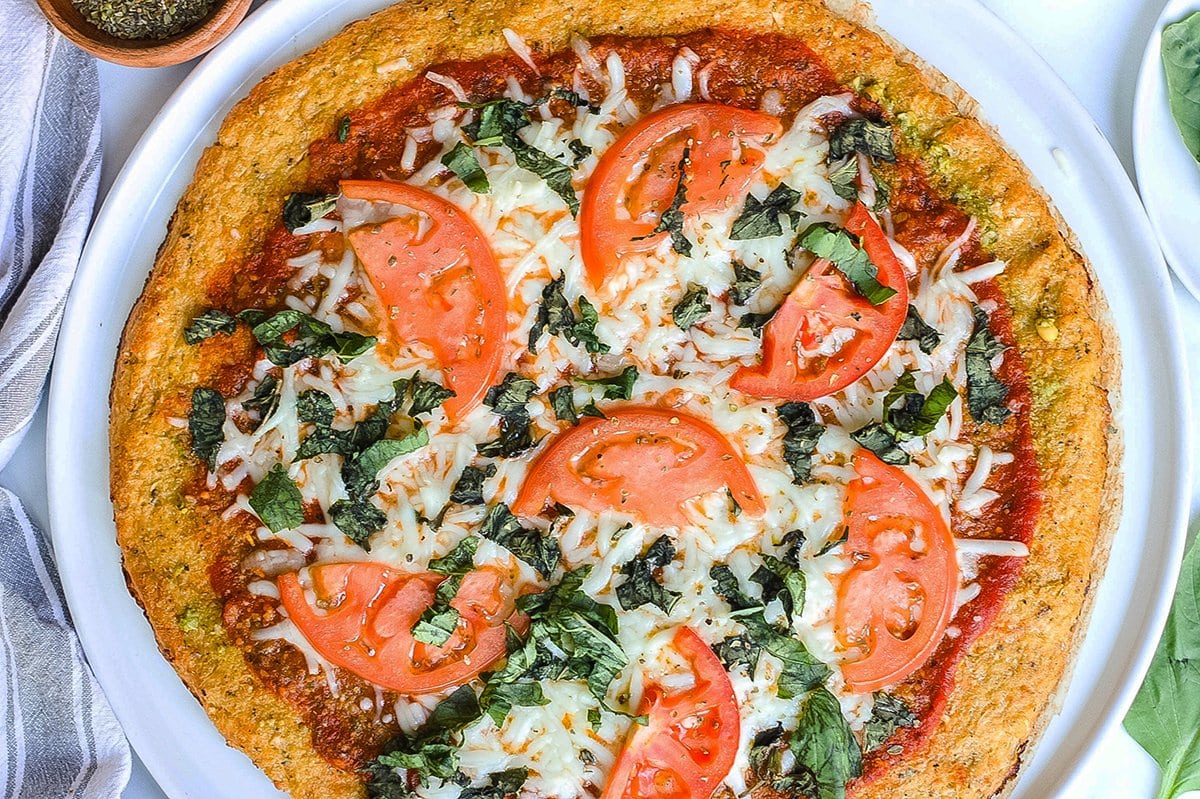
{"x":366,"y":612}
{"x":438,"y":282}
{"x":826,"y":335}
{"x":636,"y":178}
{"x":691,"y":737}
{"x":645,"y":461}
{"x":894,"y":603}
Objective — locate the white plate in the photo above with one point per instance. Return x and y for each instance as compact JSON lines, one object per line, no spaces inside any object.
{"x":1167,"y":174}
{"x":1035,"y":113}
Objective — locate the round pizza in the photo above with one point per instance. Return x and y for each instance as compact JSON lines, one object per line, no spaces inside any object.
{"x":564,"y":400}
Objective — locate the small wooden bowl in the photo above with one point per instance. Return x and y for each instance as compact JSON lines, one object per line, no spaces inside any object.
{"x":146,"y":52}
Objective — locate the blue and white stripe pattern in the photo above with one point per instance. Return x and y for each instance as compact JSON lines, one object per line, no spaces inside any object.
{"x":59,"y":736}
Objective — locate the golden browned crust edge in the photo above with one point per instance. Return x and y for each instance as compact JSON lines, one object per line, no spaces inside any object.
{"x":1012,"y":673}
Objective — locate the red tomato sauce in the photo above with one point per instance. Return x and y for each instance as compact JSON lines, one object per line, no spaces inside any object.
{"x":742,"y":68}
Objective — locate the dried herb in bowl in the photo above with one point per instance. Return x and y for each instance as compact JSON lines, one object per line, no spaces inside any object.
{"x":144,"y":19}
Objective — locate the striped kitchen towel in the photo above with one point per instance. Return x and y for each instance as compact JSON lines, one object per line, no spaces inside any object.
{"x":59,"y":735}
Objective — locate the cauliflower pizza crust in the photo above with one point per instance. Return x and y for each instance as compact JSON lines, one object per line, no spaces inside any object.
{"x":327,"y":444}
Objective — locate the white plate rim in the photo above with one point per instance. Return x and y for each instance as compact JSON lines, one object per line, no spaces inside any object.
{"x":71,"y":499}
{"x":1151,"y":115}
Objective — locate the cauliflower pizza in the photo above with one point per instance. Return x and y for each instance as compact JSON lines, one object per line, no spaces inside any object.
{"x":565,"y":400}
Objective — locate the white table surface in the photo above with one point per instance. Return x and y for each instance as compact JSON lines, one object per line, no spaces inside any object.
{"x":1095,"y":45}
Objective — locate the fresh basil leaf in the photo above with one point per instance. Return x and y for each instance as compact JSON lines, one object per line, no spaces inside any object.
{"x":761,"y":218}
{"x":538,"y":550}
{"x":469,"y":488}
{"x":692,"y":308}
{"x":849,"y":259}
{"x":515,"y":438}
{"x":348,"y":345}
{"x":300,"y":208}
{"x":671,"y":221}
{"x":277,"y":501}
{"x":360,"y":472}
{"x":584,"y":330}
{"x":781,"y":581}
{"x":510,"y":395}
{"x":1165,"y":716}
{"x":746,"y":281}
{"x":757,"y":321}
{"x":738,"y":650}
{"x":313,"y":339}
{"x":562,"y":400}
{"x":358,"y":520}
{"x":986,"y":393}
{"x":315,"y":407}
{"x":459,"y":560}
{"x":619,"y":386}
{"x":206,"y":424}
{"x":497,"y":118}
{"x":579,"y":150}
{"x":642,"y":585}
{"x":887,"y":715}
{"x":265,"y":400}
{"x":845,"y":180}
{"x":726,"y":586}
{"x":554,"y":314}
{"x":499,"y":785}
{"x":800,"y":440}
{"x":462,"y":161}
{"x":862,"y":136}
{"x":439,"y":621}
{"x":343,"y":131}
{"x":499,"y":698}
{"x":915,"y":329}
{"x":556,"y":174}
{"x":208,"y":324}
{"x":802,"y":672}
{"x":425,"y":394}
{"x":1181,"y":63}
{"x":824,"y":745}
{"x":430,"y":752}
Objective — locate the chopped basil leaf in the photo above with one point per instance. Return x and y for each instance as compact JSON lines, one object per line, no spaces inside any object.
{"x":672,"y":219}
{"x":556,"y":174}
{"x":845,"y":180}
{"x":439,"y":621}
{"x":515,"y":437}
{"x":591,"y":410}
{"x":726,"y":585}
{"x":986,"y":394}
{"x":343,"y":132}
{"x":572,"y":636}
{"x":430,"y":752}
{"x":746,"y":281}
{"x":461,"y":160}
{"x":800,"y":440}
{"x":862,"y":136}
{"x":555,"y":316}
{"x":562,"y":400}
{"x":850,"y":260}
{"x":801,"y":671}
{"x":265,"y":399}
{"x":915,"y":329}
{"x":209,"y":324}
{"x":642,"y":586}
{"x":888,"y":715}
{"x":756,"y":321}
{"x":510,"y":394}
{"x":781,"y":581}
{"x":883,"y":194}
{"x":584,"y":330}
{"x":315,"y":407}
{"x":426,"y":395}
{"x":496,"y":118}
{"x":538,"y":550}
{"x":300,"y":208}
{"x":692,"y":308}
{"x":761,"y":218}
{"x":499,"y":698}
{"x":277,"y":500}
{"x":459,"y":560}
{"x":508,"y":400}
{"x":358,"y":519}
{"x":824,"y":745}
{"x":206,"y":423}
{"x":313,"y":339}
{"x":502,"y":783}
{"x":883,"y":442}
{"x":619,"y":386}
{"x":360,"y":472}
{"x":917,"y":415}
{"x":738,"y":650}
{"x":579,"y":150}
{"x":469,"y":488}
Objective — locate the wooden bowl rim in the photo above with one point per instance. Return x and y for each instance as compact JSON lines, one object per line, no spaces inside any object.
{"x":145,"y":52}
